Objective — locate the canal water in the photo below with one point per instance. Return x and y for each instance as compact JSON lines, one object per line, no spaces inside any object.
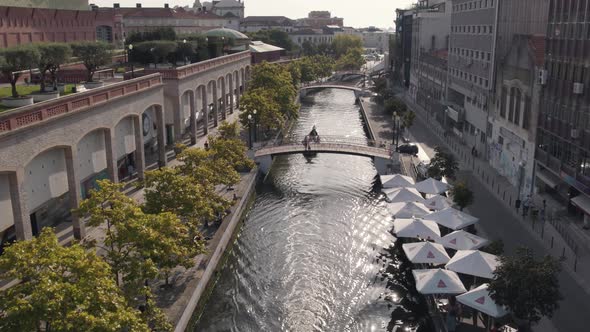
{"x":316,"y":252}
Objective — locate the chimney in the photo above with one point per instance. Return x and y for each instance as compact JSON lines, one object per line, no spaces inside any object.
{"x":116,"y":5}
{"x":166,"y":6}
{"x":137,"y":5}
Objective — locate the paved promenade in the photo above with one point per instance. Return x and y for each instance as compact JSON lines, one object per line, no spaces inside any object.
{"x":494,"y":200}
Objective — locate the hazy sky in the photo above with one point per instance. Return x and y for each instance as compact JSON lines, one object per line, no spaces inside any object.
{"x":379,"y":13}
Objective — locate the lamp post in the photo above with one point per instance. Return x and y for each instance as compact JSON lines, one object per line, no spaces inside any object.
{"x":184,"y":43}
{"x":396,"y":128}
{"x":250,"y":131}
{"x":129,"y":49}
{"x":255,"y":126}
{"x":154,"y":56}
{"x":429,"y":107}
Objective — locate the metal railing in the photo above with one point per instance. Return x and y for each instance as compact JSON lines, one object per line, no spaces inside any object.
{"x":326,"y":139}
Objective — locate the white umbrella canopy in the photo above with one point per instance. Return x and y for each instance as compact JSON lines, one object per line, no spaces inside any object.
{"x":452,"y":218}
{"x":437,"y":202}
{"x":416,"y":228}
{"x":396,"y":181}
{"x":479,"y":299}
{"x":403,"y":195}
{"x":408,"y":210}
{"x":461,"y":240}
{"x":432,"y":186}
{"x":426,"y":253}
{"x":438,"y":281}
{"x":474,"y":262}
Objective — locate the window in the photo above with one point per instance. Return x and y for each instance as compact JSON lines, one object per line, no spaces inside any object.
{"x":527,"y":113}
{"x":489,"y":56}
{"x":517,"y":107}
{"x":511,"y":105}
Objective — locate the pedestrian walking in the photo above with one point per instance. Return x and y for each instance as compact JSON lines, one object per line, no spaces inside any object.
{"x":453,"y":314}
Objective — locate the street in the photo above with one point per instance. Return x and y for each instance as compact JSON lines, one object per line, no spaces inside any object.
{"x":497,"y":222}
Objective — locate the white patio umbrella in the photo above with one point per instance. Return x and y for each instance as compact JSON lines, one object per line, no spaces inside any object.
{"x":416,"y":228}
{"x":396,"y":181}
{"x":451,"y":218}
{"x":408,"y":210}
{"x":403,"y":195}
{"x":437,"y":202}
{"x":480,"y":300}
{"x":432,"y":186}
{"x":438,"y":281}
{"x":461,"y":240}
{"x":426,"y":253}
{"x":474,"y":262}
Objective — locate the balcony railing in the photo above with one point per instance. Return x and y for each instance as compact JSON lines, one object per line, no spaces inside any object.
{"x":28,"y":115}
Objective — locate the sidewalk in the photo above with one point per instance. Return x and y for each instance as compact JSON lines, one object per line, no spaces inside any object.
{"x":556,"y":235}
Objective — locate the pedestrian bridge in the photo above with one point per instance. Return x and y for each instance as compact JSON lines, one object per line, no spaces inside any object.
{"x":304,"y":90}
{"x":380,"y":152}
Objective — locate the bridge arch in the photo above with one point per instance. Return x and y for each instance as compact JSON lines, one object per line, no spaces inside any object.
{"x":230,"y":88}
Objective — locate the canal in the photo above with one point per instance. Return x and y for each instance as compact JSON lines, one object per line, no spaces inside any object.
{"x":316,"y":252}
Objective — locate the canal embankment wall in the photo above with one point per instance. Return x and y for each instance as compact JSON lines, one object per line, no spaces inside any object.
{"x":226,"y":231}
{"x":370,"y":130}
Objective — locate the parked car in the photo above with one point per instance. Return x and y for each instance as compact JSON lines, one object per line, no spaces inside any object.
{"x":408,"y":149}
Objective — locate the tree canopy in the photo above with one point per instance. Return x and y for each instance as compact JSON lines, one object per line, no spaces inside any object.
{"x":52,"y":56}
{"x":528,"y":287}
{"x":13,"y":60}
{"x":342,"y":44}
{"x":93,"y":54}
{"x":462,"y":195}
{"x":274,"y":37}
{"x":62,"y":288}
{"x":351,"y":60}
{"x":443,"y":164}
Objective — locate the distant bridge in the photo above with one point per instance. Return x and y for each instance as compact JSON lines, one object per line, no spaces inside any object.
{"x":304,"y":90}
{"x":380,"y":152}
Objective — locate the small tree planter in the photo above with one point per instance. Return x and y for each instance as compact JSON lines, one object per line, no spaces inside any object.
{"x":44,"y":96}
{"x":17,"y":102}
{"x":61,"y":88}
{"x":93,"y":85}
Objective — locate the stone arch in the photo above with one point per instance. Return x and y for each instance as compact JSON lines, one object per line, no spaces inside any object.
{"x":48,"y":178}
{"x":242,"y":80}
{"x":247,"y":75}
{"x":187,"y":114}
{"x":237,"y":82}
{"x":222,"y":102}
{"x":230,"y":89}
{"x":95,"y":158}
{"x":203,"y":111}
{"x":212,"y":87}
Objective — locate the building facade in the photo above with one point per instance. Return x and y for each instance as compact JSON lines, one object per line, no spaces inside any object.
{"x":515,"y":111}
{"x":315,"y":36}
{"x":257,"y":23}
{"x":429,"y":55}
{"x":403,"y":46}
{"x":48,"y":4}
{"x":320,"y":19}
{"x":563,"y":138}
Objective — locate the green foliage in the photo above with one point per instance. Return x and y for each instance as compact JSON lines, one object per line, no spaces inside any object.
{"x":495,"y":247}
{"x":309,"y":48}
{"x":167,"y":190}
{"x":442,"y":165}
{"x":295,"y":71}
{"x":408,"y":118}
{"x":314,"y":67}
{"x":52,"y":56}
{"x":93,"y":54}
{"x":200,"y":46}
{"x":394,"y":105}
{"x":352,"y":60}
{"x":16,"y":59}
{"x":231,"y":151}
{"x":263,"y":101}
{"x":274,"y":37}
{"x":61,"y":289}
{"x":278,"y":83}
{"x":462,"y":195}
{"x":161,"y":33}
{"x":154,"y":51}
{"x":343,"y":44}
{"x":528,"y":287}
{"x":206,"y":169}
{"x":228,"y":130}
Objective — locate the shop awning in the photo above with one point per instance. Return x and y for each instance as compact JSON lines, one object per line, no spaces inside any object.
{"x":550,"y":179}
{"x":583,"y":202}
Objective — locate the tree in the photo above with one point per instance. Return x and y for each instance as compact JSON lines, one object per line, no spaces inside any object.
{"x":394,"y":105}
{"x":274,"y":37}
{"x":207,"y":169}
{"x":168,"y":190}
{"x":342,"y":44}
{"x":309,"y":48}
{"x":352,"y":60}
{"x":408,"y":118}
{"x":160,"y":33}
{"x":528,"y":287}
{"x":13,"y":60}
{"x":443,"y":164}
{"x":462,"y":195}
{"x":228,"y":130}
{"x":232,"y":152}
{"x":268,"y":115}
{"x":61,"y":289}
{"x":94,"y":55}
{"x":52,"y":56}
{"x":278,"y":85}
{"x":295,"y":71}
{"x":495,"y":247}
{"x":154,"y":51}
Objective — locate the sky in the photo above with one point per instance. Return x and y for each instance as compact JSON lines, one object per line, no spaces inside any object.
{"x":358,"y":14}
